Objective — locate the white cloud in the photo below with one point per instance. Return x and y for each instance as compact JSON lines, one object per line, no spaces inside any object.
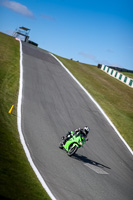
{"x":48,"y":17}
{"x":90,"y":56}
{"x":17,"y":7}
{"x":97,"y":61}
{"x":110,"y":51}
{"x":87,"y":55}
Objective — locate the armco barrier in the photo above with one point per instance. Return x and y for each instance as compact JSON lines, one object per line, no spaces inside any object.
{"x":128,"y":81}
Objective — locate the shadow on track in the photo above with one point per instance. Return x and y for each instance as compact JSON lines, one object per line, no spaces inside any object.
{"x":86,"y":160}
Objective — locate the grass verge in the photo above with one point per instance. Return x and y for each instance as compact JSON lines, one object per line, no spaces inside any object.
{"x":17,"y":179}
{"x":115,"y":98}
{"x":128,"y":74}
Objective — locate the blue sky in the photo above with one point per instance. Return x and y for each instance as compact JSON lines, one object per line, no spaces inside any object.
{"x":89,"y":31}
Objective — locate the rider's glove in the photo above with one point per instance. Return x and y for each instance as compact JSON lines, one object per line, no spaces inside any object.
{"x":77,"y":130}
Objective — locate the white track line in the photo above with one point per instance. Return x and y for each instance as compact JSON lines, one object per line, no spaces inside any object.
{"x":95,"y":104}
{"x":21,"y":133}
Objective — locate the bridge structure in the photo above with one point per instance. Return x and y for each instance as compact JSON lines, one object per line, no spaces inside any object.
{"x":23,"y":31}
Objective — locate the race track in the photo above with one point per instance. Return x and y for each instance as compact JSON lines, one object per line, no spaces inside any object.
{"x":52,"y":104}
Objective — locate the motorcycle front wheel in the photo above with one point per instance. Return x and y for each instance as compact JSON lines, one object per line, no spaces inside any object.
{"x":72,"y":150}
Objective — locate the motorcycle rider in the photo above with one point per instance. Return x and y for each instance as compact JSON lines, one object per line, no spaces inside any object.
{"x":82,"y":132}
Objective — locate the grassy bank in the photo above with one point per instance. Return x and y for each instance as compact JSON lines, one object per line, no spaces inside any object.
{"x":17,"y":179}
{"x":114,"y":97}
{"x":130,"y":75}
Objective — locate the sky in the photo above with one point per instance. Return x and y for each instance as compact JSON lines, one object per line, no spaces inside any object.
{"x":92,"y":32}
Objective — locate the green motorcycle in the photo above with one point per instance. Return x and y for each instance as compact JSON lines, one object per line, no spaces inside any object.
{"x":72,"y":144}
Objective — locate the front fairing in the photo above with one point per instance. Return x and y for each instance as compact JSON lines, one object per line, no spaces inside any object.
{"x":75,"y":139}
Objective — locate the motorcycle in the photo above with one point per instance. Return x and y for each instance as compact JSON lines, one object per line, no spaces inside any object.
{"x":72,"y":144}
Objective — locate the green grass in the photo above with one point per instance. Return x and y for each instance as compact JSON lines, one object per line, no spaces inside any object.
{"x":17,"y":179}
{"x":128,"y":74}
{"x":115,"y":98}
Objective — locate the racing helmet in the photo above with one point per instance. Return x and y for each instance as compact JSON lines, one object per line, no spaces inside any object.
{"x":86,"y":130}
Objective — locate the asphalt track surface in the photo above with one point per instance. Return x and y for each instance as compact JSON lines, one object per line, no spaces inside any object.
{"x":52,"y":104}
